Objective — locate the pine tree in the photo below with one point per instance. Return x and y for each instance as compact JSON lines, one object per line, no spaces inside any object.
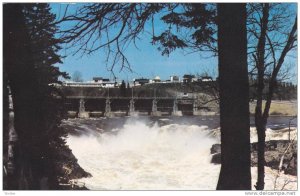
{"x":45,"y":47}
{"x":123,"y":89}
{"x":30,"y":52}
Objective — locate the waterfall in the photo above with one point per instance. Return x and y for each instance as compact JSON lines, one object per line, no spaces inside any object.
{"x":175,"y":106}
{"x":138,"y":156}
{"x":154,"y":105}
{"x":82,"y":113}
{"x":131,"y":106}
{"x":175,"y":111}
{"x":81,"y":106}
{"x":135,"y":153}
{"x":107,"y":108}
{"x":195,"y":106}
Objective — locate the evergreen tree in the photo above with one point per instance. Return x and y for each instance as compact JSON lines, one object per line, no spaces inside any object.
{"x":30,"y":52}
{"x":45,"y":47}
{"x":123,"y":89}
{"x":18,"y":65}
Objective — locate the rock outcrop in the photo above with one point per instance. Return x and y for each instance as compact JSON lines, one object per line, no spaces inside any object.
{"x":69,"y":169}
{"x":274,"y":151}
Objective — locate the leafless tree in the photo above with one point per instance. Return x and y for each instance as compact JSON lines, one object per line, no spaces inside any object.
{"x":108,"y":26}
{"x":280,"y":166}
{"x":114,"y":26}
{"x":272,"y":34}
{"x":77,"y":76}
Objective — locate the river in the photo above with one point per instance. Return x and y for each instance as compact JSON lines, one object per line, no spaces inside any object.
{"x":154,"y":153}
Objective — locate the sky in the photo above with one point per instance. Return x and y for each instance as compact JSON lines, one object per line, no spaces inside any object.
{"x":146,"y":61}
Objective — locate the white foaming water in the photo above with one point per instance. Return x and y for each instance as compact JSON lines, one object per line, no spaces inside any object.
{"x":274,"y":135}
{"x":283,"y":134}
{"x":171,"y":157}
{"x":140,"y":157}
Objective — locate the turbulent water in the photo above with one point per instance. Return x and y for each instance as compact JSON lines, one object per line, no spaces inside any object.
{"x":143,"y":154}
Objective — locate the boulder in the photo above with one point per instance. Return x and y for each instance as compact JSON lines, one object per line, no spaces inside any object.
{"x":68,"y":167}
{"x":216,"y":158}
{"x":215,"y":148}
{"x":274,"y":150}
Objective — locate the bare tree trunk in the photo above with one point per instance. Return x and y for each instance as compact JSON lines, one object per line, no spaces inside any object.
{"x":261,"y":157}
{"x":261,"y":115}
{"x":234,"y":98}
{"x":259,"y":120}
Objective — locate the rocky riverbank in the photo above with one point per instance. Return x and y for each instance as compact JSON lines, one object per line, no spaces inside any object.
{"x":274,"y":151}
{"x":70,"y":171}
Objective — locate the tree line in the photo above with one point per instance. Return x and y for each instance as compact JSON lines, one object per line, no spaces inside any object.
{"x":283,"y":91}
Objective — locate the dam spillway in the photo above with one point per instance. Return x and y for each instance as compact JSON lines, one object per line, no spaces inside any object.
{"x":100,"y":105}
{"x":99,"y":102}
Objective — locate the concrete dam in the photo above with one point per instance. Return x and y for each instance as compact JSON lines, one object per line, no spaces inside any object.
{"x":84,"y":102}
